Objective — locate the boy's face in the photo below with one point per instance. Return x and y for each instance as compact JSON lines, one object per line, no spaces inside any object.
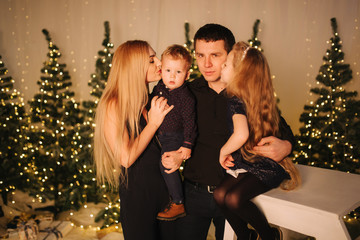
{"x":210,"y":56}
{"x":174,"y":72}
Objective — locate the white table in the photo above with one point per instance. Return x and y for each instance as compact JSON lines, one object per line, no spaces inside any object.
{"x":316,"y":208}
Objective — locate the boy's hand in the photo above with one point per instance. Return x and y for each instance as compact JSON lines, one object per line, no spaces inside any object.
{"x":185,"y":152}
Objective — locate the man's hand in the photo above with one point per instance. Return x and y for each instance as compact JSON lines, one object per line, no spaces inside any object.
{"x":273,"y":148}
{"x":172,"y":160}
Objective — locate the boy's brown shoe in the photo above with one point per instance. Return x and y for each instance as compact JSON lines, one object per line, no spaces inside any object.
{"x":172,"y":212}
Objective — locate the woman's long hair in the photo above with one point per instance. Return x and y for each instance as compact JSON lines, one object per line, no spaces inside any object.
{"x":127,"y":91}
{"x":252,"y":84}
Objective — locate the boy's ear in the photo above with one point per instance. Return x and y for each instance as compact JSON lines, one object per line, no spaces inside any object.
{"x":187,"y":75}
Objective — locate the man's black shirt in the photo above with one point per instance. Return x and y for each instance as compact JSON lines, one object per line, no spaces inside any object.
{"x":213,"y":131}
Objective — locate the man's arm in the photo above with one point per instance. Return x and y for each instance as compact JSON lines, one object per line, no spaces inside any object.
{"x":276,"y":148}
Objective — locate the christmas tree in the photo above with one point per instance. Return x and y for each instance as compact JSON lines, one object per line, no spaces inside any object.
{"x":84,"y":187}
{"x":103,"y":65}
{"x":194,"y":71}
{"x":50,"y":152}
{"x":330,"y":135}
{"x":254,"y":41}
{"x":83,"y":140}
{"x":12,"y":126}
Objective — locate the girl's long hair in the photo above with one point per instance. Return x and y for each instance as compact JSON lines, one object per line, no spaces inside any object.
{"x":252,"y":84}
{"x":127,"y":91}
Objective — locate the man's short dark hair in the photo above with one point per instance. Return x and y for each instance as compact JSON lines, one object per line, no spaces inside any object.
{"x":212,"y":32}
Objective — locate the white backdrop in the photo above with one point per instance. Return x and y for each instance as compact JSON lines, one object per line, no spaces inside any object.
{"x":293,"y":33}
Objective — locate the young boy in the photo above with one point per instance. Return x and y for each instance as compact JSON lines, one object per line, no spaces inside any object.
{"x":178,"y":130}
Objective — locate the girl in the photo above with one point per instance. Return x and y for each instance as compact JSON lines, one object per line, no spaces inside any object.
{"x":126,"y":154}
{"x":253,"y":115}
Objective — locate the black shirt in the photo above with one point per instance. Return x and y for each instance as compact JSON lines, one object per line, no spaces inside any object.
{"x":181,"y":119}
{"x":203,"y":166}
{"x":213,"y":131}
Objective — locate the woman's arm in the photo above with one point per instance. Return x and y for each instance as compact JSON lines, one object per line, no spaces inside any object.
{"x":129,"y":154}
{"x":236,"y":140}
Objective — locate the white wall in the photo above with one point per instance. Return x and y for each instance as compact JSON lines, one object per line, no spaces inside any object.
{"x":293,"y":35}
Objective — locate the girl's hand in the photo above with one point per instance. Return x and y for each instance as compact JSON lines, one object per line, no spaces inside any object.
{"x":226,"y":161}
{"x":158,"y":110}
{"x":229,"y":161}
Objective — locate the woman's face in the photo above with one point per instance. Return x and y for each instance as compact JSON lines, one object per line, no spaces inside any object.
{"x":154,"y":71}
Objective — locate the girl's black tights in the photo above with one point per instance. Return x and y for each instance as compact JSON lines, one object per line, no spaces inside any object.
{"x":233,"y":196}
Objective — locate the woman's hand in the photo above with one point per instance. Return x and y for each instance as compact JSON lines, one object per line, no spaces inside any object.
{"x":158,"y":110}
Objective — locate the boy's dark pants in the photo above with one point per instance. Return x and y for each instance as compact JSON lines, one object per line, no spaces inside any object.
{"x":172,"y":142}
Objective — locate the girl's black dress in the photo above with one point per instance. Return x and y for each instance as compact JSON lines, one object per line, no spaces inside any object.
{"x":267,"y":170}
{"x":144,"y":196}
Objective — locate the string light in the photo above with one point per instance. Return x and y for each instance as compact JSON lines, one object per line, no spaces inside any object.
{"x":324,"y":138}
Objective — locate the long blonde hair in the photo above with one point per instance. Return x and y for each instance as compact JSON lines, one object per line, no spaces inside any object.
{"x":252,"y":84}
{"x":127,"y":91}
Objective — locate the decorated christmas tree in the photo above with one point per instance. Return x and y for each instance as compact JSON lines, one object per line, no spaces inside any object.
{"x":83,"y":143}
{"x":84,"y":187}
{"x":53,"y":111}
{"x":194,"y":71}
{"x":254,"y":41}
{"x":330,"y":135}
{"x":12,"y":126}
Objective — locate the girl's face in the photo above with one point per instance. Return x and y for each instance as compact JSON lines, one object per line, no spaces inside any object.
{"x":154,"y":71}
{"x":227,"y":71}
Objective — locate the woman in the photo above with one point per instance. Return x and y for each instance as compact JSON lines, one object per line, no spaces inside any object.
{"x":126,"y":154}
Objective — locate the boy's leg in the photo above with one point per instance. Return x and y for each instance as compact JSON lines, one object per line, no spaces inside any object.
{"x":174,"y":185}
{"x":172,"y":142}
{"x":176,"y":209}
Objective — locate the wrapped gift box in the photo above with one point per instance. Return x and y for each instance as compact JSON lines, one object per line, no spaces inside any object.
{"x":25,"y":230}
{"x":56,"y":230}
{"x":44,"y":219}
{"x":28,"y":230}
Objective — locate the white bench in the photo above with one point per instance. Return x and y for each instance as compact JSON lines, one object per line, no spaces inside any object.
{"x":316,"y":208}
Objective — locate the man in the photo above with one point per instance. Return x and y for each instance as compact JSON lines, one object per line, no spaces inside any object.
{"x":202,"y":172}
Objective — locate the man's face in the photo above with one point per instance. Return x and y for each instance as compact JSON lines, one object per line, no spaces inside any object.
{"x":210,"y":57}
